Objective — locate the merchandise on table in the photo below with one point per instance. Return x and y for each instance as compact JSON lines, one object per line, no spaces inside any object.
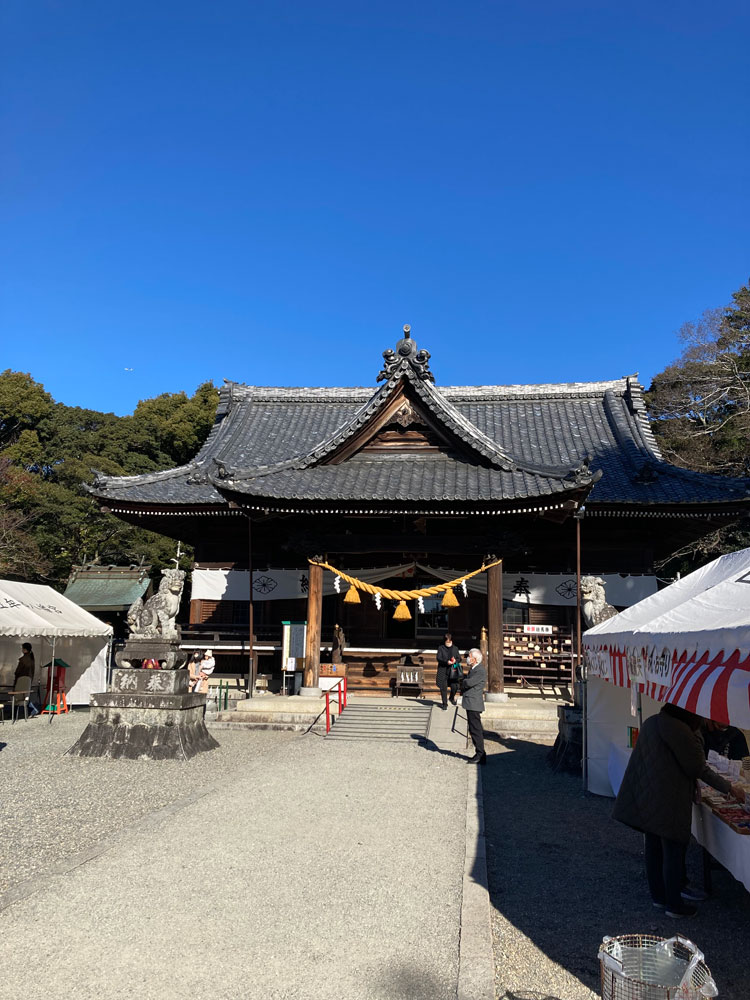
{"x":734,"y":814}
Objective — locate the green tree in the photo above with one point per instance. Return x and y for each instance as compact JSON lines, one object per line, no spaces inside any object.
{"x":51,"y":522}
{"x":23,"y":404}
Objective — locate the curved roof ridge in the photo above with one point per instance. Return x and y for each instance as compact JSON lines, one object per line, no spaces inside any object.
{"x":264,"y":393}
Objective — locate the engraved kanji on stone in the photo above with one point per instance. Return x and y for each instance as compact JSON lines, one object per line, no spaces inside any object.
{"x":127,"y":681}
{"x":157,"y":682}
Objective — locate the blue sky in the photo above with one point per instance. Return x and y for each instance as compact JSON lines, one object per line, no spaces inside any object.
{"x":268,"y":191}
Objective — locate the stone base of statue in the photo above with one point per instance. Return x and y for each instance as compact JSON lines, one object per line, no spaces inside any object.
{"x":148,"y":714}
{"x":139,"y":648}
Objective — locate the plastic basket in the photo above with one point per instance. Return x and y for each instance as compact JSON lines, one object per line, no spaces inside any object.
{"x":645,"y":967}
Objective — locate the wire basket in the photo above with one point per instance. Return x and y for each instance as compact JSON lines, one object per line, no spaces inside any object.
{"x":645,"y":967}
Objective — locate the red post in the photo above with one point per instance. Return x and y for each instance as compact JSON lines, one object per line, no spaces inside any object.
{"x":328,"y":711}
{"x":345,"y":693}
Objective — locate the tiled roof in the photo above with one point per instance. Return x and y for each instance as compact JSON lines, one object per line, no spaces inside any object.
{"x":525,"y":440}
{"x":400,"y":478}
{"x":112,"y":587}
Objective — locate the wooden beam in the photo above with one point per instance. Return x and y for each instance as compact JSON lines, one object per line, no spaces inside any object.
{"x":495,"y":665}
{"x":314,"y":615}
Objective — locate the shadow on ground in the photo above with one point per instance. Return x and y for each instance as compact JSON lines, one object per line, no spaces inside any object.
{"x":409,"y":982}
{"x":427,"y":744}
{"x":533,"y":995}
{"x":565,"y":874}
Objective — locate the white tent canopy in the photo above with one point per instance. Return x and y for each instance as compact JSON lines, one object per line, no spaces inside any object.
{"x":689,"y":644}
{"x":33,"y":609}
{"x":30,"y":611}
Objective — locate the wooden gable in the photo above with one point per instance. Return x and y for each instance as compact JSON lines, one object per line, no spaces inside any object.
{"x":404,"y":425}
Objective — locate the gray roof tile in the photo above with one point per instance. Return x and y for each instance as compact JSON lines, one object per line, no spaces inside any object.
{"x":273,"y":439}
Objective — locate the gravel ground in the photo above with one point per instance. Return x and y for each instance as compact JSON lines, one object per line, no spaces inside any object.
{"x":563,"y":874}
{"x":315,"y":869}
{"x":53,"y":807}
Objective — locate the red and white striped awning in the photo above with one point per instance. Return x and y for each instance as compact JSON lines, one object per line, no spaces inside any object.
{"x":689,"y":644}
{"x":715,"y":687}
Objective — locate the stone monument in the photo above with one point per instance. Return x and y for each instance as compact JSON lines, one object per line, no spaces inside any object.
{"x":149,"y":713}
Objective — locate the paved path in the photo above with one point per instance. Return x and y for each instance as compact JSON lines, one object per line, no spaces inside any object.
{"x":563,"y":873}
{"x":325,"y":869}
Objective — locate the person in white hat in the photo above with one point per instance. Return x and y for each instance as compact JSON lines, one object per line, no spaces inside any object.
{"x":203,"y":671}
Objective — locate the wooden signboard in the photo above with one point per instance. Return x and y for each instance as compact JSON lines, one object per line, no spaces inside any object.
{"x":332,"y":670}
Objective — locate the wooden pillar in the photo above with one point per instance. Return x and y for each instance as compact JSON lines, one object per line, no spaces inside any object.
{"x":314,"y":616}
{"x":495,"y":666}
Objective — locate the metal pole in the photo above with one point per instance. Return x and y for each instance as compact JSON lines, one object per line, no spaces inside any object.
{"x":109,"y":661}
{"x":251,"y":653}
{"x":52,"y":678}
{"x":584,"y":691}
{"x":584,"y":728}
{"x":578,"y":600}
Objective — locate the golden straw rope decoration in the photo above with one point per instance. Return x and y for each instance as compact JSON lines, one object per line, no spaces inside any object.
{"x":403,"y":595}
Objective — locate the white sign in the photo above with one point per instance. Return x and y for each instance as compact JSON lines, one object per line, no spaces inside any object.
{"x":538,"y":629}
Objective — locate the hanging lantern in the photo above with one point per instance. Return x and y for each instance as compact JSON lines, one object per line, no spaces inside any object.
{"x":402,"y":613}
{"x":352,"y":596}
{"x":449,"y":599}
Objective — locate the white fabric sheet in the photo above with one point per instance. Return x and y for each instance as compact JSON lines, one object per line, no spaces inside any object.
{"x":729,"y":848}
{"x":608,"y":717}
{"x":86,"y":656}
{"x":550,"y":588}
{"x":278,"y":584}
{"x":521,"y":588}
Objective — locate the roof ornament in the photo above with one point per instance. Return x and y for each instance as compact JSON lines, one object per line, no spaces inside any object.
{"x":406,"y":356}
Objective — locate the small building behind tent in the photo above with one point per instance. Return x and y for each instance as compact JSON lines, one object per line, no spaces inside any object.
{"x":109,"y":591}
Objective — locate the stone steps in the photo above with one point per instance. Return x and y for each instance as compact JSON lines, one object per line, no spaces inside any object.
{"x":381,"y":722}
{"x":366,"y":717}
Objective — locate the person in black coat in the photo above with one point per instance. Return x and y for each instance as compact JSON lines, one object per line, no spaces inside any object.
{"x":447,"y":657}
{"x":472,"y":702}
{"x":656,"y":798}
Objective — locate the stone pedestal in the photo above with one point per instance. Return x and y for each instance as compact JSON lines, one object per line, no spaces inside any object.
{"x":138,"y":649}
{"x":148,"y":714}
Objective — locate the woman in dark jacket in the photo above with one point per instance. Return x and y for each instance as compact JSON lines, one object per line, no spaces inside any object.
{"x":447,"y":657}
{"x":656,"y":797}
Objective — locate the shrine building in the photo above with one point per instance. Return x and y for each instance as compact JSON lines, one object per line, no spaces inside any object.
{"x":406,"y":484}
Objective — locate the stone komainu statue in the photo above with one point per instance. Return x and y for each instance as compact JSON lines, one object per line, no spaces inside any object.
{"x":594,"y":607}
{"x":156,"y":618}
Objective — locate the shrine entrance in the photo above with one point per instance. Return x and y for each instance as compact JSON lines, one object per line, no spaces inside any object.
{"x":391,"y":620}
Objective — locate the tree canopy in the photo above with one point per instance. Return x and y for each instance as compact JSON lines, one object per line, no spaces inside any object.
{"x":700,"y":404}
{"x":48,"y":451}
